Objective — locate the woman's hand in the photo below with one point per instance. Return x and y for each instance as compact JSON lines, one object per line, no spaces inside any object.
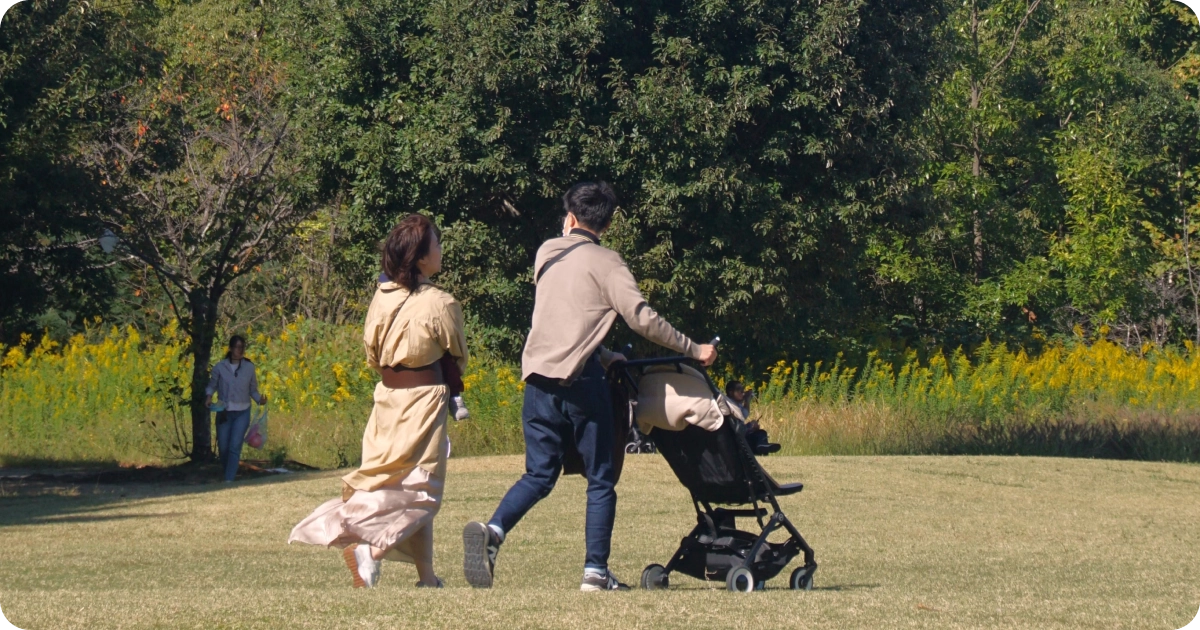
{"x":208,"y":400}
{"x":264,"y":399}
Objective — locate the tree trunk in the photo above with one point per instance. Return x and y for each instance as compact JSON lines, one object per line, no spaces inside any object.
{"x":976,"y":153}
{"x":976,"y":172}
{"x":1187,"y":257}
{"x":203,"y":330}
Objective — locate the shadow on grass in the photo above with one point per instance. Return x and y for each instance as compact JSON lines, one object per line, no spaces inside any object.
{"x":778,"y":585}
{"x":1101,"y":434}
{"x":10,"y":462}
{"x":838,"y":588}
{"x":57,"y":519}
{"x":83,"y":493}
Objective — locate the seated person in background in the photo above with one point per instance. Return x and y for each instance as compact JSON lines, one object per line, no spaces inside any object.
{"x":755,"y":435}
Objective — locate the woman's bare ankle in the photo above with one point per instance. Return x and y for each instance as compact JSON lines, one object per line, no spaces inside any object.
{"x":427,"y":576}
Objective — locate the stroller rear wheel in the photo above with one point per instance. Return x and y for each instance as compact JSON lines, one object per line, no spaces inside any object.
{"x":802,"y":579}
{"x":654,"y":577}
{"x":741,"y":580}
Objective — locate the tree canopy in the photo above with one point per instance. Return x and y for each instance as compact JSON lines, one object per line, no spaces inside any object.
{"x":802,"y":178}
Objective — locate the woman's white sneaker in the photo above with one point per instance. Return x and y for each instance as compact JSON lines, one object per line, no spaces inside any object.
{"x":363,"y":568}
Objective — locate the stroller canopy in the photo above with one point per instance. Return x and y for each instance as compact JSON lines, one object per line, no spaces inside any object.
{"x":673,"y":397}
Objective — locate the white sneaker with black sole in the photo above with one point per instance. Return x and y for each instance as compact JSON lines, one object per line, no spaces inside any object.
{"x":480,"y":546}
{"x":597,"y":581}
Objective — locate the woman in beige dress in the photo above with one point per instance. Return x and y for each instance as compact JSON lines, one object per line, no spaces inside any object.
{"x":388,"y":505}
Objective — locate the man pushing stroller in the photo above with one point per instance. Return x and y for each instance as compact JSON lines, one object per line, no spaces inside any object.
{"x":581,"y":289}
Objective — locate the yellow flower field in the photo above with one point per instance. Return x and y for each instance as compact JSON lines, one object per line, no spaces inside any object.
{"x":107,"y":396}
{"x":120,"y":396}
{"x":1092,"y":399}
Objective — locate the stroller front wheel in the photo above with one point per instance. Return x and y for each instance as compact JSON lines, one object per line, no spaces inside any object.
{"x":741,"y":580}
{"x":654,"y":577}
{"x":802,"y":579}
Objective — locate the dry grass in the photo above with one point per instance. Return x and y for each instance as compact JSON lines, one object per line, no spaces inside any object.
{"x":903,"y":542}
{"x":813,"y":428}
{"x":1092,"y":429}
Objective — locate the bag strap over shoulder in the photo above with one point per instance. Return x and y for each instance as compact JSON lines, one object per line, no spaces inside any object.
{"x":396,"y":313}
{"x":557,"y":257}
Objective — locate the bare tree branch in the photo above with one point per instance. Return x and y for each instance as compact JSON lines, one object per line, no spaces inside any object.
{"x":1012,"y":46}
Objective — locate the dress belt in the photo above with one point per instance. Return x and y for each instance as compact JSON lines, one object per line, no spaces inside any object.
{"x":400,"y":377}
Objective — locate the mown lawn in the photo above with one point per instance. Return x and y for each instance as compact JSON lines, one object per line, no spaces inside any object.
{"x":902,"y":542}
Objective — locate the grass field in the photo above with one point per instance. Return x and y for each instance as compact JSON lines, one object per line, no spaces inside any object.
{"x":902,"y":542}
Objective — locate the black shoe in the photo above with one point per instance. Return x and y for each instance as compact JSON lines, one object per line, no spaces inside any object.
{"x":480,"y":546}
{"x":767,"y":449}
{"x":601,"y":582}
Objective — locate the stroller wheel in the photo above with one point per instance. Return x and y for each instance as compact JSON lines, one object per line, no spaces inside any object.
{"x":647,"y":447}
{"x":741,"y":580}
{"x":655,"y":577}
{"x":802,"y":579}
{"x":631,"y":448}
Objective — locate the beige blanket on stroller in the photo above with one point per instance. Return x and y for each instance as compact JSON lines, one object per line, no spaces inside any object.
{"x":671,"y":398}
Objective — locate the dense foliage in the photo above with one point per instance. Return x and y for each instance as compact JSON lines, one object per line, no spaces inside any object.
{"x":803,"y":178}
{"x":57,"y":61}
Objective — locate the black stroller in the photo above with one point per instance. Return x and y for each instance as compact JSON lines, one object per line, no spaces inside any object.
{"x":718,"y":468}
{"x":638,"y":442}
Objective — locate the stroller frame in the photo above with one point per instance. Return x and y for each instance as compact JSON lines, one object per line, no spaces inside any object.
{"x":715,"y":548}
{"x":638,"y":442}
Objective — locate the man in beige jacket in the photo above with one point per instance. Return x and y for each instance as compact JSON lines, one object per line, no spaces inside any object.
{"x":582,"y":287}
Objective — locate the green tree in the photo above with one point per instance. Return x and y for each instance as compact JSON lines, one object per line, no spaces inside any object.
{"x":748,"y":143}
{"x":943,"y":262}
{"x":204,"y":163}
{"x":58,"y":61}
{"x":1057,"y":131}
{"x":1120,"y":157}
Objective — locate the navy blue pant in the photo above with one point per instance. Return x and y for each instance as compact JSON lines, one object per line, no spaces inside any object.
{"x":230,"y":436}
{"x":556,"y":418}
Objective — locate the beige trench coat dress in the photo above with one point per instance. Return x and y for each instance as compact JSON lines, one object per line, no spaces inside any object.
{"x":390,"y":501}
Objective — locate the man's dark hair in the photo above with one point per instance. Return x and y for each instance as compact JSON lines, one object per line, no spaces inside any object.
{"x":733,"y":386}
{"x":592,"y":203}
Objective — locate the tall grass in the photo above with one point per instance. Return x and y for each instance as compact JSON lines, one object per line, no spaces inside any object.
{"x":1085,"y":400}
{"x":114,"y":395}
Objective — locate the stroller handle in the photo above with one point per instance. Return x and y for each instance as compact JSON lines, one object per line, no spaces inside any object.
{"x":655,"y":361}
{"x":660,"y":360}
{"x":637,"y":363}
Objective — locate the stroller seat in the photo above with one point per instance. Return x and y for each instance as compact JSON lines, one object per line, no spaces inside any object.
{"x":718,"y":468}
